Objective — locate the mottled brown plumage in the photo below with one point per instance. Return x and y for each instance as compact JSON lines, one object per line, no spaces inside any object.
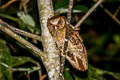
{"x":76,"y":52}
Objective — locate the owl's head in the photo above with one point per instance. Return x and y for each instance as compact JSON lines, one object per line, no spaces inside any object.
{"x":56,"y":23}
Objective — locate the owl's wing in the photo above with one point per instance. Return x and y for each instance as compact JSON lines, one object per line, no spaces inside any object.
{"x":77,"y":54}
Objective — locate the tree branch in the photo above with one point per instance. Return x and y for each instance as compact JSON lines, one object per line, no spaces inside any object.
{"x":113,"y":16}
{"x":66,"y":34}
{"x":29,"y":70}
{"x":69,"y":10}
{"x":88,"y":13}
{"x":3,"y":27}
{"x":110,"y":14}
{"x":67,"y":25}
{"x":52,"y":61}
{"x":8,"y":3}
{"x":24,"y":33}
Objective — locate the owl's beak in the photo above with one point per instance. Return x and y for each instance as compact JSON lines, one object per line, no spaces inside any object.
{"x":55,"y":27}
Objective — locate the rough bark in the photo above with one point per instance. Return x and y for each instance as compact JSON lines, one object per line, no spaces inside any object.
{"x":52,"y":60}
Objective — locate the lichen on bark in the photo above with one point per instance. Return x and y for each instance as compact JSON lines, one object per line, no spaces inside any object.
{"x":52,"y":59}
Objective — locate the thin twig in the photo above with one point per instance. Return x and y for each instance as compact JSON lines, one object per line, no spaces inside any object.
{"x":88,"y":13}
{"x":38,"y":68}
{"x":8,"y":3}
{"x":69,"y":10}
{"x":20,"y":69}
{"x":66,"y":34}
{"x":113,"y":16}
{"x":23,"y":4}
{"x":28,"y":76}
{"x":110,"y":14}
{"x":3,"y":27}
{"x":14,"y":69}
{"x":39,"y":71}
{"x":24,"y":33}
{"x":16,"y":30}
{"x":67,"y":25}
{"x":43,"y":77}
{"x":117,"y":11}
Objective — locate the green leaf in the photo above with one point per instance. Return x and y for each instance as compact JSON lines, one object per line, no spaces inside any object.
{"x":65,"y":10}
{"x":61,"y":4}
{"x":117,"y":39}
{"x":26,"y":18}
{"x":83,"y":8}
{"x":68,"y":76}
{"x":102,"y":40}
{"x":5,"y":58}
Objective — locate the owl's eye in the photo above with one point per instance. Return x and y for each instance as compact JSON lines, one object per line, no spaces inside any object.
{"x":54,"y":22}
{"x":60,"y":22}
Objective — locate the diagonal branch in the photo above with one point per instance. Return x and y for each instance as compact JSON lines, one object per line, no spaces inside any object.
{"x":8,"y":3}
{"x":110,"y":14}
{"x":24,"y":33}
{"x":88,"y":13}
{"x":3,"y":27}
{"x":113,"y":16}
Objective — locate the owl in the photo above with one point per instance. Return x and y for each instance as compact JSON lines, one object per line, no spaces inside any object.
{"x":76,"y":51}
